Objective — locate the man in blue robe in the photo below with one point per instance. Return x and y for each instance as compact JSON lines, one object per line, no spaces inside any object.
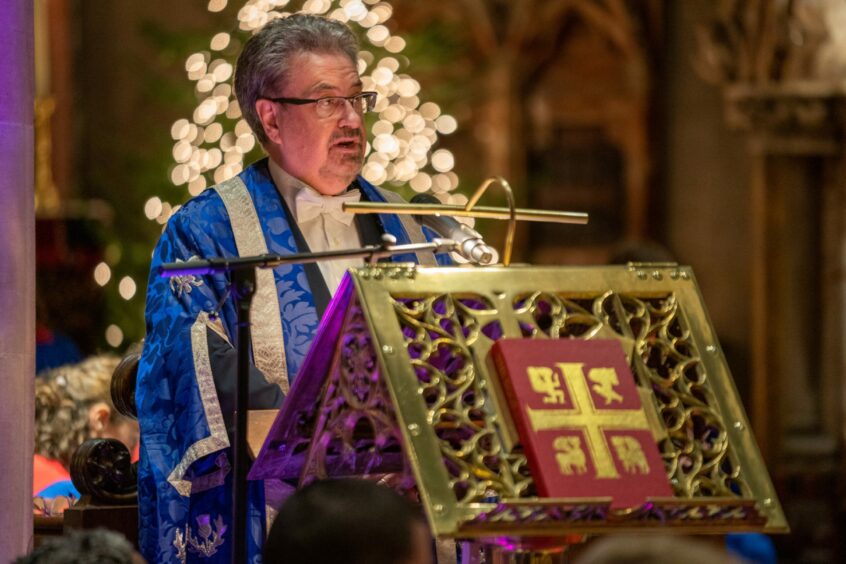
{"x":299,"y":89}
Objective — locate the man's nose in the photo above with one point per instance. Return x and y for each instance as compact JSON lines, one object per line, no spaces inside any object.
{"x":350,"y":117}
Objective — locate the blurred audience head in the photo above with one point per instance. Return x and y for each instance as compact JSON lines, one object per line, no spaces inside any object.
{"x":96,"y":546}
{"x":73,"y":403}
{"x":352,"y":521}
{"x":648,"y":549}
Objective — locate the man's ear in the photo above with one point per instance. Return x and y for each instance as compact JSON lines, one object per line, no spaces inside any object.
{"x":99,"y":415}
{"x":268,"y":112}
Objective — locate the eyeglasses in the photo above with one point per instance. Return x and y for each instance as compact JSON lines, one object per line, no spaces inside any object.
{"x":332,"y":106}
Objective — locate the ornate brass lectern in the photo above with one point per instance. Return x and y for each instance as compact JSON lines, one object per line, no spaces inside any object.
{"x":398,"y":384}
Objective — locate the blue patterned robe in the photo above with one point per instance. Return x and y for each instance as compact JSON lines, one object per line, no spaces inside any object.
{"x":184,"y":477}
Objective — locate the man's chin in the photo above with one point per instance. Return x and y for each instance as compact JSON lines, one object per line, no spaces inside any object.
{"x":336,"y":180}
{"x":347,"y":167}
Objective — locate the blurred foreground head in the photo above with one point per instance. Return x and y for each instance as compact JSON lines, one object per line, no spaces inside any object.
{"x":97,"y":546}
{"x":648,"y":549}
{"x":352,"y":521}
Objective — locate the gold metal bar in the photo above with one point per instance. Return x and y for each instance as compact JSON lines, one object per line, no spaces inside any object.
{"x":512,"y":212}
{"x":482,"y":212}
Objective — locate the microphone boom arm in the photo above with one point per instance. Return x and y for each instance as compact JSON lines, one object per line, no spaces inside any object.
{"x":480,"y":212}
{"x":511,"y":213}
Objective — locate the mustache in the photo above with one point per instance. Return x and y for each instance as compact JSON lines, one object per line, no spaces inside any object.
{"x":347,"y":133}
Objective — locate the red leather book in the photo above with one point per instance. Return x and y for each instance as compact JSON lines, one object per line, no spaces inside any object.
{"x":580,"y":419}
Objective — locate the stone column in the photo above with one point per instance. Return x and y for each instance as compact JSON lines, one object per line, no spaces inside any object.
{"x":796,"y":138}
{"x":17,"y":278}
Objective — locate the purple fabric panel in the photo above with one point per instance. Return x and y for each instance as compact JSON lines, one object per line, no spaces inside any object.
{"x":17,"y":277}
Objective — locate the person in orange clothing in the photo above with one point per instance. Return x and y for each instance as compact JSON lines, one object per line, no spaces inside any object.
{"x":72,"y":404}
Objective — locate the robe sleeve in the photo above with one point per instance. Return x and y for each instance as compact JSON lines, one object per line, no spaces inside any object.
{"x":186,"y":377}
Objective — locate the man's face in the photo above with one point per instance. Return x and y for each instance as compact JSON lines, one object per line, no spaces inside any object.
{"x":325,"y":153}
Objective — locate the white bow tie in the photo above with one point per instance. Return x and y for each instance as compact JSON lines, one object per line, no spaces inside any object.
{"x":310,"y":204}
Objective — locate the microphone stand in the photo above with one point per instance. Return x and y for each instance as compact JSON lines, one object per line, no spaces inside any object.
{"x":243,"y":275}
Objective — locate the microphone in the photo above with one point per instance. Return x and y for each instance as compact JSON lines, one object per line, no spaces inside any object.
{"x":469,"y":242}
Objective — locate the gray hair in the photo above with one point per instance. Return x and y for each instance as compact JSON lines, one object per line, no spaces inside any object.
{"x":265,"y":61}
{"x":82,"y":546}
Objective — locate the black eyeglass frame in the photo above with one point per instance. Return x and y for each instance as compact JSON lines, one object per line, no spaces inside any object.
{"x":369,"y":97}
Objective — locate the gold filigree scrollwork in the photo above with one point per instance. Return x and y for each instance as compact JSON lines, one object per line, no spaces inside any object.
{"x":693,"y":511}
{"x":543,"y":513}
{"x":541,"y":313}
{"x":575,"y":514}
{"x":439,"y":332}
{"x":696,"y":451}
{"x":356,"y":432}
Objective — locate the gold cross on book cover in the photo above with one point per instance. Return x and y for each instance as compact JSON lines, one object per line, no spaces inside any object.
{"x":580,"y":419}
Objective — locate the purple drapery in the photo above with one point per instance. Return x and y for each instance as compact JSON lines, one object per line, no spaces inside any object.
{"x":17,"y":277}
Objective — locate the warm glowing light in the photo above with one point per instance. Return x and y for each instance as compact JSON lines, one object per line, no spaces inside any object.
{"x":180,"y":174}
{"x":385,"y":143}
{"x":234,"y":110}
{"x":196,"y":63}
{"x":114,"y":336}
{"x":246,"y":142}
{"x":227,"y":140}
{"x":409,"y":102}
{"x":446,"y":124}
{"x":221,"y":71}
{"x":408,"y":87}
{"x":242,"y":128}
{"x":440,"y":186}
{"x":429,"y":110}
{"x":457,"y":199}
{"x":102,"y":274}
{"x":395,"y":44}
{"x":215,"y":157}
{"x":182,"y":151}
{"x":381,"y":127}
{"x":179,"y":129}
{"x":197,"y":185}
{"x":374,"y":172}
{"x":224,"y":90}
{"x":153,"y":207}
{"x":442,"y":160}
{"x":389,"y":63}
{"x":205,"y":112}
{"x":213,"y":133}
{"x":340,"y":15}
{"x":421,"y":182}
{"x":127,"y":288}
{"x":167,"y":211}
{"x":369,"y":20}
{"x":220,"y":41}
{"x":414,"y":123}
{"x":378,"y":35}
{"x":205,"y":84}
{"x":382,"y":76}
{"x":393,"y":113}
{"x":383,"y":11}
{"x":317,"y":6}
{"x":192,"y":133}
{"x":355,"y":10}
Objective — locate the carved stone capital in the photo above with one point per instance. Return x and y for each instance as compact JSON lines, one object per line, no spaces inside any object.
{"x":795,"y":117}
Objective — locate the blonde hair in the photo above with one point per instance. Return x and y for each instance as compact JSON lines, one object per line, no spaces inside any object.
{"x":63,"y":398}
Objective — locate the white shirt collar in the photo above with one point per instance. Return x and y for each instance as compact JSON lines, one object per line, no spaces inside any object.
{"x":287,"y":185}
